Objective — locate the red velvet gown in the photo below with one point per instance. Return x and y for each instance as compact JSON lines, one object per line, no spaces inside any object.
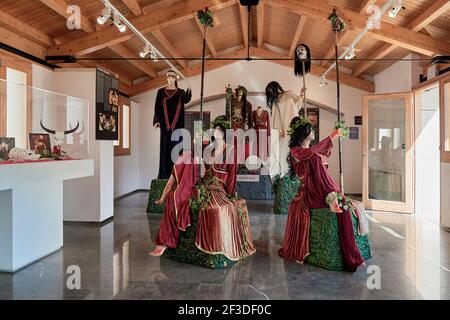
{"x":262,"y":122}
{"x":309,"y":165}
{"x":223,"y":226}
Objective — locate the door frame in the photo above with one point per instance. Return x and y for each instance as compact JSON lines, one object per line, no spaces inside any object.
{"x":381,"y":205}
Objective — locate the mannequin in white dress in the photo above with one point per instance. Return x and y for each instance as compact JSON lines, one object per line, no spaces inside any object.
{"x":285,"y":105}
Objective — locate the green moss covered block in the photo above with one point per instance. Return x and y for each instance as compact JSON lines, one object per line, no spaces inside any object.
{"x":285,"y":189}
{"x":156,"y":189}
{"x":187,"y":251}
{"x":325,"y":249}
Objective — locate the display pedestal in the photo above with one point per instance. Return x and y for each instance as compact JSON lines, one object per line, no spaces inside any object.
{"x":31,"y":209}
{"x":258,"y":187}
{"x":325,"y":249}
{"x":285,"y":190}
{"x":187,"y":251}
{"x":156,"y":190}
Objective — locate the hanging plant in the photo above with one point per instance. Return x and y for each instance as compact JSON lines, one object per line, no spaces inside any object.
{"x":344,"y":129}
{"x":337,"y":23}
{"x":206,"y":17}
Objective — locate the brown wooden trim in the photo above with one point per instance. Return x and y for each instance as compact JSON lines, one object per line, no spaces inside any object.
{"x":119,"y":151}
{"x":445,"y":155}
{"x":408,"y":205}
{"x":431,"y":82}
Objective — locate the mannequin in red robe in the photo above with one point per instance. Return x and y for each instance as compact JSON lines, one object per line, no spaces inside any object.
{"x":223,"y":225}
{"x":309,"y":164}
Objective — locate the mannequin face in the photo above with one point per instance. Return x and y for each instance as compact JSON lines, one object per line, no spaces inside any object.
{"x":240,"y":94}
{"x":301,"y":52}
{"x":171,"y":81}
{"x":218,"y":134}
{"x":311,"y":136}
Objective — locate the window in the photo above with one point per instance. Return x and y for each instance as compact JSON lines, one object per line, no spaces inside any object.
{"x":445,"y":119}
{"x":122,"y":147}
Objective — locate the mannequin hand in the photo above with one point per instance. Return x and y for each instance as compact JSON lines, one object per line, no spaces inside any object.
{"x":336,"y":134}
{"x":156,"y":125}
{"x":160,"y":201}
{"x":282,"y":133}
{"x":334,"y":206}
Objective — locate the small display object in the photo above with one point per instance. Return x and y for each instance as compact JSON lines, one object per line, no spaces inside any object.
{"x":40,"y":142}
{"x":6,"y":145}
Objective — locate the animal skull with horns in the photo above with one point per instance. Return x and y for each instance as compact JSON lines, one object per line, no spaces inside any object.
{"x":59,"y":135}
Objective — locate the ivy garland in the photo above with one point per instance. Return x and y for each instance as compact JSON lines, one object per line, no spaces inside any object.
{"x":343,"y":202}
{"x":303,"y":121}
{"x":206,"y":17}
{"x":337,"y":23}
{"x":221,"y":120}
{"x":345,"y":131}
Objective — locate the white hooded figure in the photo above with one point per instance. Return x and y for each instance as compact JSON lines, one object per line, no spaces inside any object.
{"x":285,"y":106}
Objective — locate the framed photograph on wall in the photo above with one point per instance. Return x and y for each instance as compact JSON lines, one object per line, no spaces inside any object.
{"x":40,"y":142}
{"x":107,"y":107}
{"x":6,"y":144}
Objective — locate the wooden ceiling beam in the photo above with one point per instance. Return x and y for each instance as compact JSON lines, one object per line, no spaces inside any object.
{"x":189,"y":72}
{"x":60,"y":7}
{"x":243,"y":12}
{"x":209,"y":42}
{"x":162,"y":39}
{"x":25,"y":30}
{"x":297,"y":35}
{"x":145,"y":66}
{"x":134,"y":7}
{"x":330,"y":54}
{"x":19,"y":42}
{"x":429,"y":15}
{"x":260,"y":24}
{"x":365,"y":5}
{"x":390,"y":33}
{"x":318,"y":71}
{"x":162,"y":16}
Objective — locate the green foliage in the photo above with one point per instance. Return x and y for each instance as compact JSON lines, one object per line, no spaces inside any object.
{"x":337,"y":23}
{"x":344,"y":129}
{"x":303,"y":121}
{"x":206,"y":17}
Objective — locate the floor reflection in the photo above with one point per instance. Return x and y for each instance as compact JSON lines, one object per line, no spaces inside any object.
{"x":413,"y":255}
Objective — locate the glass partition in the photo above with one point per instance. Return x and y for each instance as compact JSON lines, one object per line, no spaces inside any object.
{"x":50,"y":124}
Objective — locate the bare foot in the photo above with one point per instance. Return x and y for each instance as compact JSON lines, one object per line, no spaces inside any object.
{"x":363,"y":264}
{"x":158,"y":251}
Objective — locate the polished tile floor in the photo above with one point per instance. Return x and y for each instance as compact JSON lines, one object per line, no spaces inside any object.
{"x":411,"y":254}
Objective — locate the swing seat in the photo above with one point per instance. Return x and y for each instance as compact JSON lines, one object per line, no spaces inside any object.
{"x":187,"y":251}
{"x":285,"y":189}
{"x":156,"y":190}
{"x":325,"y":249}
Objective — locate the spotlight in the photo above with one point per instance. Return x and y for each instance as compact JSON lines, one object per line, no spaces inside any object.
{"x":145,"y":51}
{"x":119,"y":23}
{"x":322,"y":82}
{"x":395,"y":9}
{"x":351,"y":54}
{"x":153,"y":56}
{"x":106,"y":13}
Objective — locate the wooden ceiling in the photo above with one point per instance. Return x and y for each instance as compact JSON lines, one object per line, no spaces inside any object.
{"x":39,"y":27}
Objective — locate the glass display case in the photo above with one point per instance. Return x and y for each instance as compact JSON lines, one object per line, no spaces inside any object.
{"x":37,"y":124}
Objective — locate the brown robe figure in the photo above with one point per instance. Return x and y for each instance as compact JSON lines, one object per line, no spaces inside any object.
{"x":261,"y":122}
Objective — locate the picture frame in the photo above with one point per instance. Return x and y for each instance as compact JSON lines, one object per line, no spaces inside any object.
{"x":6,"y":145}
{"x":107,"y":107}
{"x":40,"y":142}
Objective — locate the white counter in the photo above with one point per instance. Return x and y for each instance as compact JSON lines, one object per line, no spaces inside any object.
{"x":31,"y":209}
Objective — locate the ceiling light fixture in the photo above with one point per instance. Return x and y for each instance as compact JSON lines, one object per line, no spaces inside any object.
{"x":145,"y":51}
{"x":119,"y":23}
{"x":106,"y":14}
{"x":395,"y":9}
{"x":351,"y":54}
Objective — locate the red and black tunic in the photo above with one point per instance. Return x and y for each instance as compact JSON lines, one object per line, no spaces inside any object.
{"x":169,"y":113}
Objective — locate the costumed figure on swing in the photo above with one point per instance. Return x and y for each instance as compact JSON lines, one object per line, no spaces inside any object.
{"x":318,"y":190}
{"x":223,"y":223}
{"x":169,"y":116}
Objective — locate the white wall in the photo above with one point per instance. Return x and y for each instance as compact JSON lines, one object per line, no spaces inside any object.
{"x":126,"y":168}
{"x":396,"y":78}
{"x":255,"y":75}
{"x":88,"y":199}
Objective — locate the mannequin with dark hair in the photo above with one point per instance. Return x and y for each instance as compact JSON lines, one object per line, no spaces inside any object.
{"x":284,"y":106}
{"x":309,"y":164}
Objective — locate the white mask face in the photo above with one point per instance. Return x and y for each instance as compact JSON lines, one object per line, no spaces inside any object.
{"x":301,"y":52}
{"x":171,"y":80}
